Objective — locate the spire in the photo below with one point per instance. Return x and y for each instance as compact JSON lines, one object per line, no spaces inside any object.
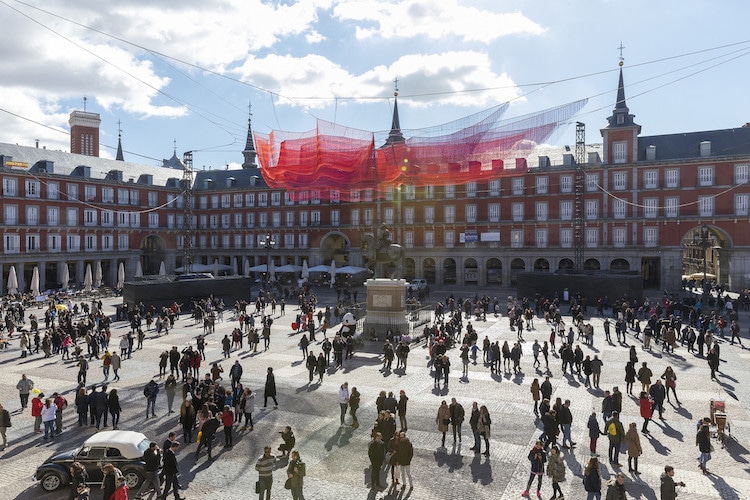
{"x":119,"y":156}
{"x":395,"y":134}
{"x":621,"y":116}
{"x":249,"y":151}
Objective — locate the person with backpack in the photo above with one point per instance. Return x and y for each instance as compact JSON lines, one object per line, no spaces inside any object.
{"x":592,"y":480}
{"x":615,"y":433}
{"x":296,"y":472}
{"x":61,"y":404}
{"x":150,"y":391}
{"x":537,"y":457}
{"x":4,"y":424}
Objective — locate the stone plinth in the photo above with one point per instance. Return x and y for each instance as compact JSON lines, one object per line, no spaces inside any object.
{"x":386,"y":307}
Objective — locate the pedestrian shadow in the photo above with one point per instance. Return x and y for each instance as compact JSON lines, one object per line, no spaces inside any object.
{"x":671,"y":432}
{"x":341,"y":438}
{"x":451,"y":461}
{"x":736,"y":450}
{"x":309,"y":387}
{"x":481,"y":471}
{"x":658,"y":447}
{"x":726,"y":491}
{"x":684,"y":412}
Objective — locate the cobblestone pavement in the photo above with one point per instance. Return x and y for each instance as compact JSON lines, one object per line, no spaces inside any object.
{"x":336,"y":457}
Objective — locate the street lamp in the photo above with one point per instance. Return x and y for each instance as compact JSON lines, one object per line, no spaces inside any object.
{"x":704,"y":240}
{"x":268,"y":242}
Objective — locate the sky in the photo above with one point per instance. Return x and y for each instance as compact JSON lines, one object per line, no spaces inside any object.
{"x":179,"y":76}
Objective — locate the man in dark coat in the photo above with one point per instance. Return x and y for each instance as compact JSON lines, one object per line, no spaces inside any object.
{"x":270,"y":389}
{"x":171,"y":469}
{"x":551,"y":428}
{"x":658,"y":393}
{"x":207,"y":435}
{"x":376,"y":452}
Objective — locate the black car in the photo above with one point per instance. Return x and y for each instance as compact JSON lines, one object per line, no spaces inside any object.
{"x":123,"y":449}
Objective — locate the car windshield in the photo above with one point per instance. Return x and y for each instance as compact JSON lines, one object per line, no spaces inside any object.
{"x":143,"y":445}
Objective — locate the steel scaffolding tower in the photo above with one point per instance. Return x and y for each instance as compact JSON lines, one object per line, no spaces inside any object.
{"x":579,"y":226}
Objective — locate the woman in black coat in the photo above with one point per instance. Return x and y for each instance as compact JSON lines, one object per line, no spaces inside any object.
{"x":82,"y":406}
{"x":270,"y":388}
{"x":703,"y":440}
{"x":78,"y":477}
{"x":113,"y":402}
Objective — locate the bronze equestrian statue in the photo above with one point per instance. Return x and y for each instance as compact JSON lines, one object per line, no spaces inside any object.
{"x":382,"y":250}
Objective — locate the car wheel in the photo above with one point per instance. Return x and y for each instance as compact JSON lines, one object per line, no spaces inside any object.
{"x":51,"y":481}
{"x":132,"y":478}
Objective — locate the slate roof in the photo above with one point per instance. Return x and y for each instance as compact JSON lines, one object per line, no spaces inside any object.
{"x":672,"y":147}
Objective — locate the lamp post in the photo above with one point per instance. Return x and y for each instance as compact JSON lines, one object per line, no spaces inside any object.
{"x":704,"y":240}
{"x":268,"y":242}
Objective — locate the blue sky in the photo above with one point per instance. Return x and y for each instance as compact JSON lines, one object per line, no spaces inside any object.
{"x":186,"y":71}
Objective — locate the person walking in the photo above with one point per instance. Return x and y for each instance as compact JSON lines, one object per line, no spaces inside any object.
{"x":170,"y":387}
{"x":443,"y":419}
{"x":24,"y":386}
{"x":644,"y":377}
{"x":247,"y":405}
{"x":36,"y":411}
{"x":670,"y":381}
{"x":295,"y":472}
{"x":354,"y":398}
{"x":404,"y":455}
{"x":171,"y":469}
{"x":82,"y":406}
{"x":4,"y":424}
{"x":536,"y":395}
{"x":615,"y":433}
{"x":457,"y":418}
{"x":537,"y":457}
{"x":592,"y":480}
{"x":311,"y":363}
{"x":343,"y":400}
{"x":227,"y":419}
{"x":401,"y":409}
{"x":61,"y":404}
{"x":49,"y":411}
{"x":633,"y":442}
{"x":629,"y":376}
{"x":270,"y":389}
{"x":106,"y":363}
{"x":187,"y":419}
{"x":113,"y":404}
{"x":556,"y":471}
{"x":658,"y":393}
{"x":713,"y":362}
{"x":594,"y":433}
{"x":645,"y":404}
{"x":703,"y":441}
{"x":150,"y":391}
{"x":668,"y":489}
{"x":208,"y":431}
{"x":474,"y":422}
{"x":116,"y":363}
{"x":484,"y":427}
{"x":376,"y":453}
{"x":616,"y":488}
{"x":565,"y":419}
{"x":152,"y":459}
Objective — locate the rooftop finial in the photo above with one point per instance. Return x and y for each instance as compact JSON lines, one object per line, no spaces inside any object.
{"x":395,"y":87}
{"x":175,"y":145}
{"x":622,"y":59}
{"x":119,"y":129}
{"x":84,"y":102}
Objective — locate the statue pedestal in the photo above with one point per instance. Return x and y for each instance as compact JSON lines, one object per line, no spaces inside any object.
{"x":386,"y":307}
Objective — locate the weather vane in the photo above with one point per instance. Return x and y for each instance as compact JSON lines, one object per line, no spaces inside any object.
{"x":620,"y":48}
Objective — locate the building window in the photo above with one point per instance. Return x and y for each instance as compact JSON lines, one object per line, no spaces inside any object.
{"x":276,"y":219}
{"x":237,"y":240}
{"x":409,"y":215}
{"x":263,"y":219}
{"x":542,"y":184}
{"x":620,"y":181}
{"x":275,"y":199}
{"x":108,"y":195}
{"x":226,"y":200}
{"x":672,"y":178}
{"x":369,"y":216}
{"x":289,"y":240}
{"x":53,"y":242}
{"x":354,"y":217}
{"x":494,"y":188}
{"x":741,"y":204}
{"x":429,"y":239}
{"x":53,"y":216}
{"x":449,"y":213}
{"x":671,"y":207}
{"x":620,"y":152}
{"x":619,"y":208}
{"x":89,"y":217}
{"x":335,"y":218}
{"x":650,"y":207}
{"x":516,"y":238}
{"x":650,"y":179}
{"x":53,"y":190}
{"x":89,"y":192}
{"x":449,"y":239}
{"x":123,"y":242}
{"x":471,"y":214}
{"x":135,"y":197}
{"x":542,"y":211}
{"x":410,"y":192}
{"x":335,"y":196}
{"x":592,"y":182}
{"x":354,"y":196}
{"x":74,"y":243}
{"x":705,"y":148}
{"x":592,"y":237}
{"x":429,"y":193}
{"x":315,"y":197}
{"x":741,"y":173}
{"x":262,"y":199}
{"x":33,"y":189}
{"x":153,"y":220}
{"x":302,"y":238}
{"x":471,"y":189}
{"x":368,"y":194}
{"x":10,"y":186}
{"x":619,"y":237}
{"x":566,"y":238}
{"x":389,"y":193}
{"x":315,"y":218}
{"x":566,"y":183}
{"x":517,"y":186}
{"x":517,"y":212}
{"x":122,"y":218}
{"x":72,"y":190}
{"x":122,"y":196}
{"x":592,"y":209}
{"x":213,"y":221}
{"x":706,"y":206}
{"x":237,"y":200}
{"x":541,"y":238}
{"x":90,"y":240}
{"x":10,"y":215}
{"x":289,"y":219}
{"x":450,"y":191}
{"x":135,"y":219}
{"x":72,"y":217}
{"x":32,"y":243}
{"x":566,"y":210}
{"x":170,"y":220}
{"x":409,"y":239}
{"x":706,"y":176}
{"x":429,"y":215}
{"x":32,"y":216}
{"x":249,"y":199}
{"x":388,"y":215}
{"x":493,"y":210}
{"x":12,"y":243}
{"x":288,"y":200}
{"x":238,"y":219}
{"x":651,"y":236}
{"x":250,"y":219}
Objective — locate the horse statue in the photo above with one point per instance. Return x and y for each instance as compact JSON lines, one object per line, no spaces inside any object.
{"x":382,"y":250}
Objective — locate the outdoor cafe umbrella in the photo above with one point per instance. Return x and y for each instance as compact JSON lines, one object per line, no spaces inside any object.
{"x":138,"y":269}
{"x":234,"y":266}
{"x":35,"y":282}
{"x":216,"y":268}
{"x":65,"y":276}
{"x":162,"y":269}
{"x":305,"y":270}
{"x":272,"y":270}
{"x":333,"y":271}
{"x":246,"y":270}
{"x":121,"y":276}
{"x":88,"y":280}
{"x":98,"y":275}
{"x":12,"y":281}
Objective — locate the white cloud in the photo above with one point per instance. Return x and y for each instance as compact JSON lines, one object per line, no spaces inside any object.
{"x":436,"y":20}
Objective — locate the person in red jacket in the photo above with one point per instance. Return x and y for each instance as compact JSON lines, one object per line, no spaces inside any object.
{"x":227,"y":418}
{"x":36,"y":411}
{"x":645,"y":404}
{"x":121,"y":493}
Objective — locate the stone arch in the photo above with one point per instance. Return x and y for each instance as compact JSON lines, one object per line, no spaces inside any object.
{"x":516,"y":265}
{"x":566,"y":264}
{"x":410,"y":269}
{"x":335,"y":246}
{"x":592,"y":265}
{"x":152,"y":252}
{"x":541,"y":265}
{"x":471,"y":270}
{"x":428,"y":270}
{"x":449,"y":271}
{"x":494,"y":270}
{"x":619,"y":265}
